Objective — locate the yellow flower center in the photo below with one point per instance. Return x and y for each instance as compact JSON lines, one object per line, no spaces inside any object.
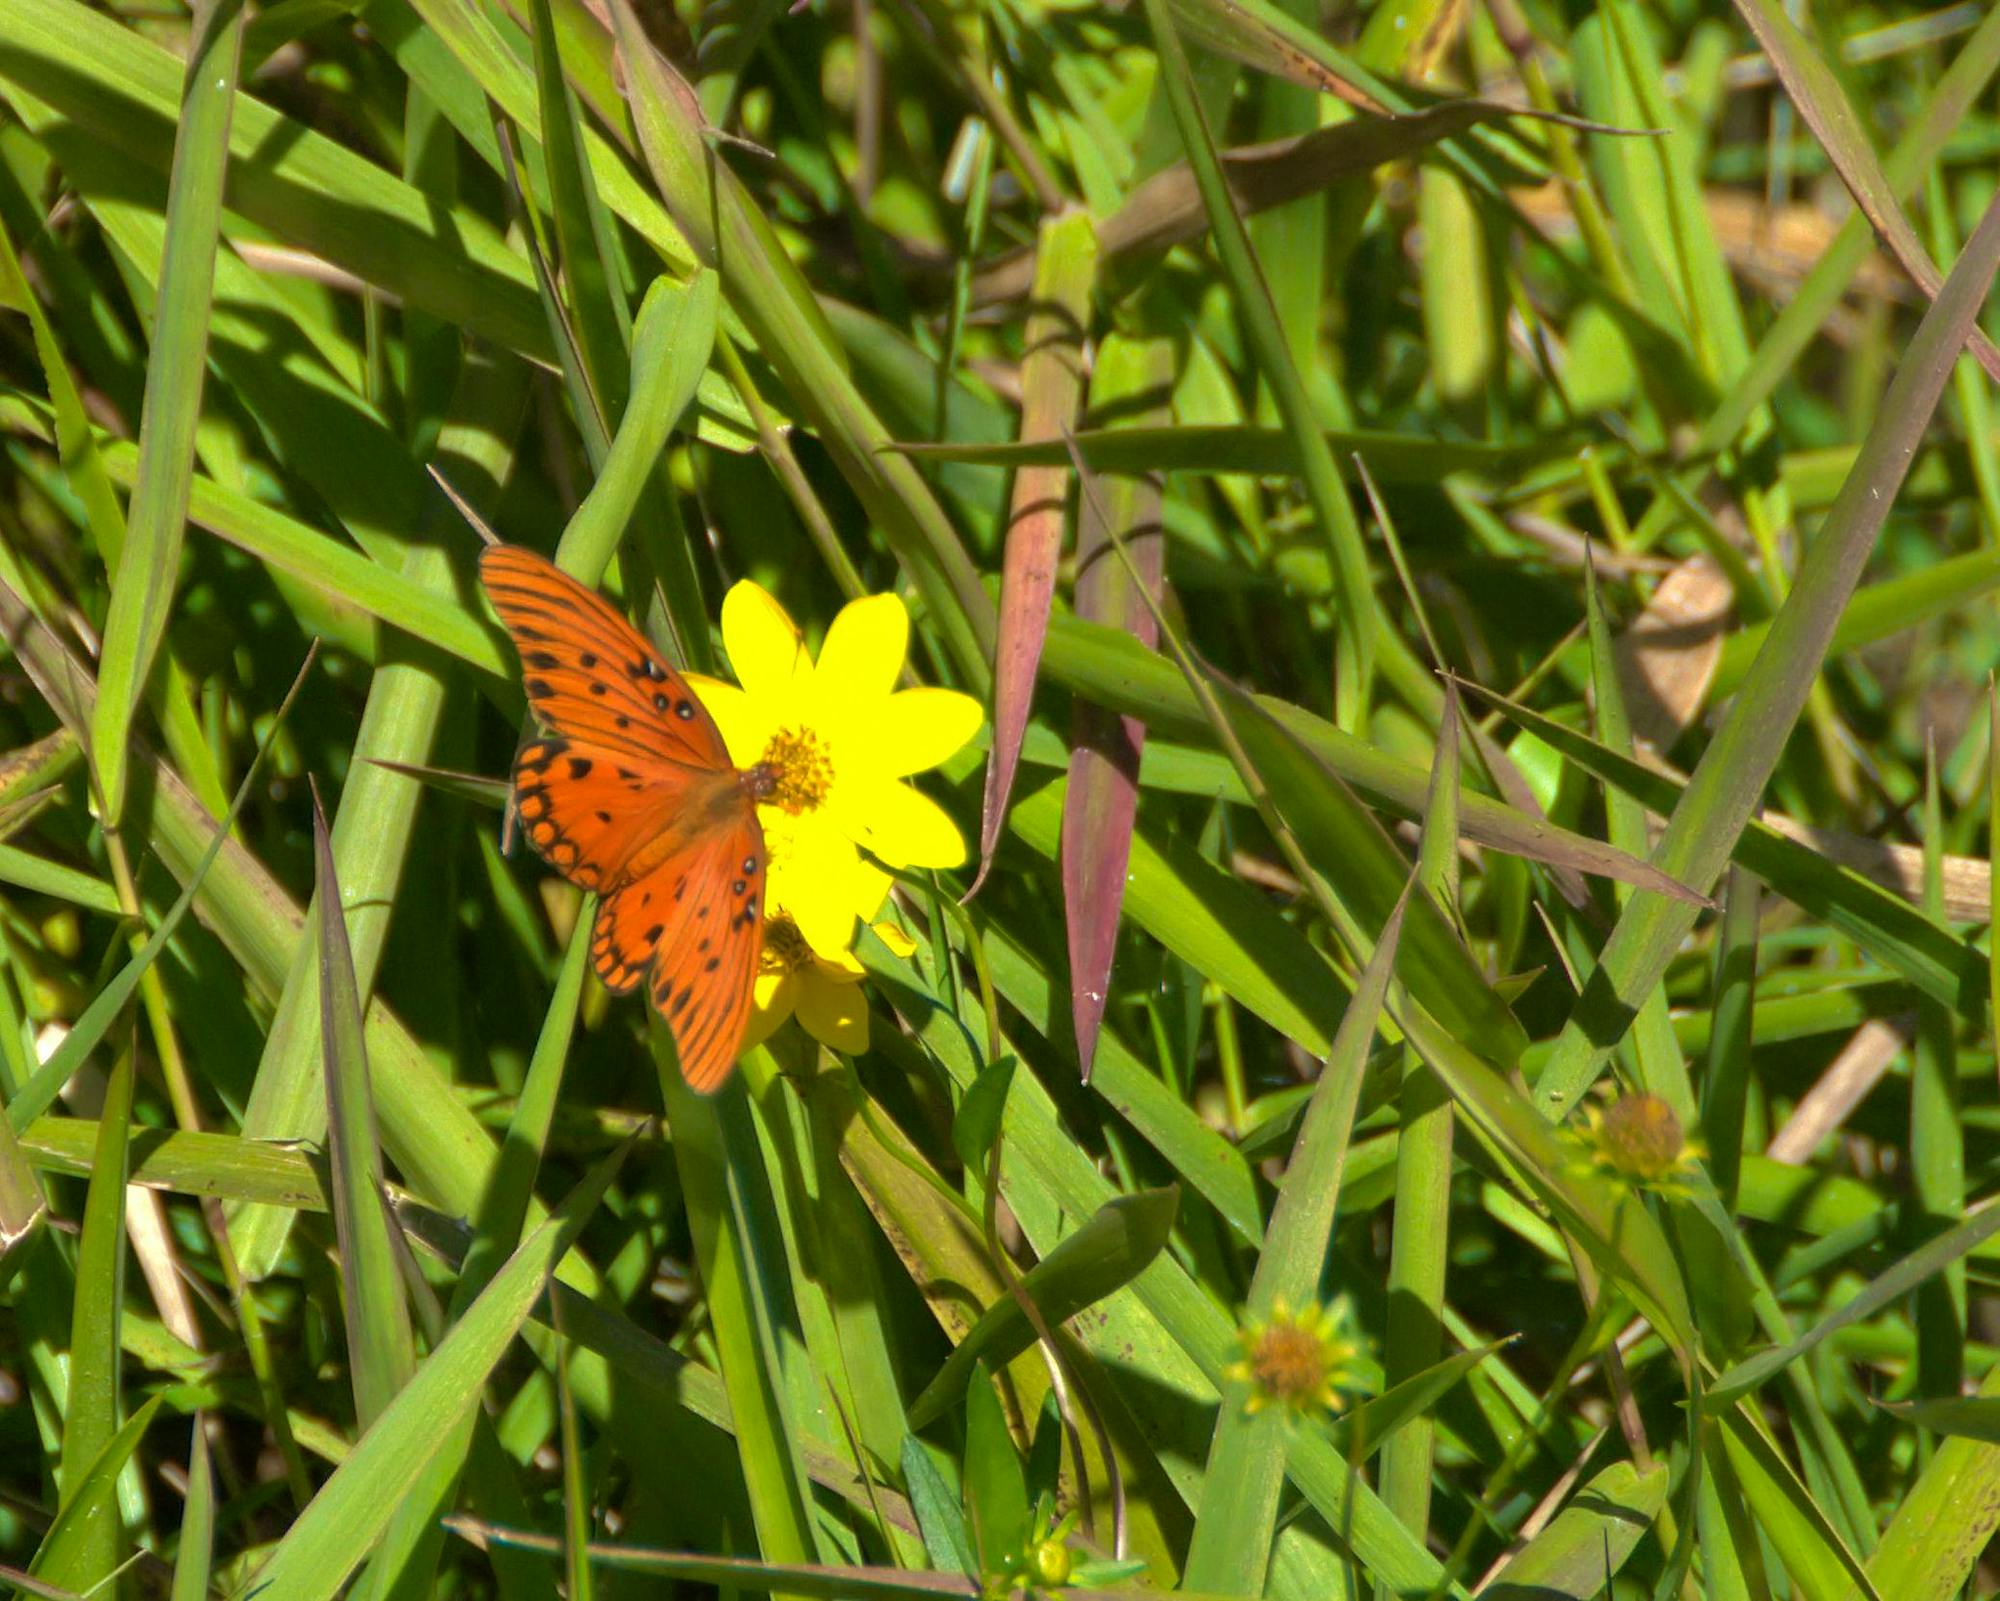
{"x":1641,"y":1138}
{"x":802,"y":767}
{"x":785,"y":948}
{"x":1289,"y":1363}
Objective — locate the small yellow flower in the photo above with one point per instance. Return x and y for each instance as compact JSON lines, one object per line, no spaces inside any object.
{"x":823,"y":992}
{"x":1637,"y":1141}
{"x":1294,"y":1360}
{"x":841,"y":739}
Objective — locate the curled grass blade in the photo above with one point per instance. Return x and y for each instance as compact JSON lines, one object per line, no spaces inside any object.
{"x":1106,"y":1253}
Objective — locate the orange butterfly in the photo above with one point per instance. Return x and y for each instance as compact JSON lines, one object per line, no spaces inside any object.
{"x":632,"y":795}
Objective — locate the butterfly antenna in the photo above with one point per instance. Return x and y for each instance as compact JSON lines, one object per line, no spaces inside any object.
{"x":464,"y":507}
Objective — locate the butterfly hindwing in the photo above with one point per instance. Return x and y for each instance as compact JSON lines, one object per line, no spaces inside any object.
{"x":692,"y":929}
{"x":589,"y":675}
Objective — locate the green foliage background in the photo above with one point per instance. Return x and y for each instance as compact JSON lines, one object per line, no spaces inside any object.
{"x":1566,"y":433}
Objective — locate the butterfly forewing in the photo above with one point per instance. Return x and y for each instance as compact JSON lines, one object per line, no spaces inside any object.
{"x":631,"y":793}
{"x":591,"y":811}
{"x":588,"y":673}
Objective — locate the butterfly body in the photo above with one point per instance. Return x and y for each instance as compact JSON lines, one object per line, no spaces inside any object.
{"x":630,"y":793}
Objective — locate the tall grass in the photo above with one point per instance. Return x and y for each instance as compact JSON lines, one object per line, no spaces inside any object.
{"x":1460,"y":1059}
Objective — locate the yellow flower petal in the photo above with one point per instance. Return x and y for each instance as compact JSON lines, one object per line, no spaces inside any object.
{"x":893,"y":937}
{"x":764,"y":645}
{"x":899,"y":825}
{"x":918,"y":728}
{"x":746,"y":724}
{"x":812,"y":879}
{"x":772,"y":999}
{"x":863,"y":652}
{"x":834,"y":1014}
{"x":844,"y":968}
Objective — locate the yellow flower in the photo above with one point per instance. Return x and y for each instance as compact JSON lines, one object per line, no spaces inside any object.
{"x":1637,"y":1141}
{"x":823,"y":992}
{"x":840,"y":738}
{"x":1296,"y":1360}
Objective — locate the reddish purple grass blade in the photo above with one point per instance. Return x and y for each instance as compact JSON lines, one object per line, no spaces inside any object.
{"x":1051,"y":391}
{"x":1103,"y":794}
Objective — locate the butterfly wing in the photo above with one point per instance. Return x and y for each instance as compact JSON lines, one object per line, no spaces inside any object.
{"x":692,"y":930}
{"x":590,"y":676}
{"x":592,"y":813}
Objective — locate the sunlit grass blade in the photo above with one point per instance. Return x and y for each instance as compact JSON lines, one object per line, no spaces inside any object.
{"x":762,"y":286}
{"x":142,"y":590}
{"x":87,"y":1519}
{"x":1578,"y":1556}
{"x":381,"y":1346}
{"x":722,"y":1177}
{"x":375,"y":827}
{"x":38,"y":1094}
{"x":94,"y":1543}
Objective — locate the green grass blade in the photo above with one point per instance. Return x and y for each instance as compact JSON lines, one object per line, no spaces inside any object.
{"x":1236,"y":1519}
{"x":1577,"y":1557}
{"x":766,"y":290}
{"x":195,"y":1555}
{"x":143,"y":589}
{"x":1356,"y":641}
{"x":381,"y":1347}
{"x":94,"y":1543}
{"x":1100,"y":1258}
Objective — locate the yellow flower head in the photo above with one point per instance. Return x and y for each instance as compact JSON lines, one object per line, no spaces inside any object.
{"x":1294,"y":1360}
{"x":1637,"y":1141}
{"x":840,"y":738}
{"x":823,"y":992}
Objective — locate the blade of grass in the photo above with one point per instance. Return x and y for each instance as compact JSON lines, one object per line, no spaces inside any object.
{"x":1419,"y":1242}
{"x":143,"y":588}
{"x":195,"y":1555}
{"x":1133,"y":376}
{"x":96,"y":1542}
{"x":1107,"y":1252}
{"x":714,"y":1148}
{"x":375,"y":822}
{"x":1236,"y":1519}
{"x":1356,"y":638}
{"x":380,"y":1345}
{"x":765,"y":289}
{"x":1052,"y":388}
{"x":1816,"y":91}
